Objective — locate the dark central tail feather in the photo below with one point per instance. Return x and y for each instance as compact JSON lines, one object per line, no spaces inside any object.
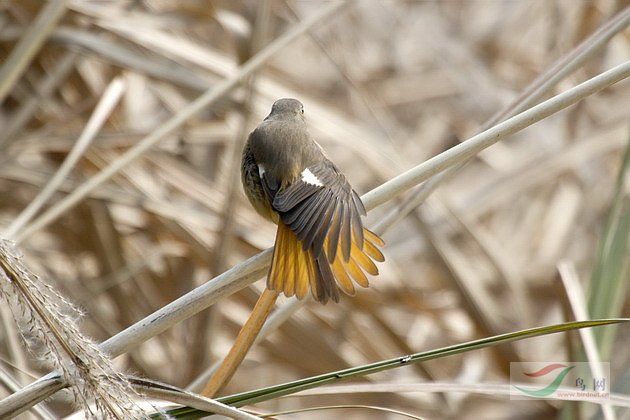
{"x":325,"y":286}
{"x":294,"y":270}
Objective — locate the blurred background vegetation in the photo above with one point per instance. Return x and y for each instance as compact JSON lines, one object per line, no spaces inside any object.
{"x":386,"y":85}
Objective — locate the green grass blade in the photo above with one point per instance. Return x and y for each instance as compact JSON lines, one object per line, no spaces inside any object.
{"x":264,"y":394}
{"x":609,"y":280}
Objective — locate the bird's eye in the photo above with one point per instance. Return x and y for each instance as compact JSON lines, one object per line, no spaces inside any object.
{"x":302,"y":111}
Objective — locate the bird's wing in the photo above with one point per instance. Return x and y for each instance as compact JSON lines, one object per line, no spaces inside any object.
{"x":321,"y":239}
{"x":321,"y":204}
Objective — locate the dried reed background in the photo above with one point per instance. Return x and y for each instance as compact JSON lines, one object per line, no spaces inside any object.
{"x":386,"y":85}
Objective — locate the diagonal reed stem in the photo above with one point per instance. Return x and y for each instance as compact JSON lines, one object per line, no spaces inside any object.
{"x":252,"y":269}
{"x":33,"y":39}
{"x":209,"y":97}
{"x":242,"y":344}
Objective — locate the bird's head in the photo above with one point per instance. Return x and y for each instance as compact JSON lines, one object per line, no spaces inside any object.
{"x":286,"y":107}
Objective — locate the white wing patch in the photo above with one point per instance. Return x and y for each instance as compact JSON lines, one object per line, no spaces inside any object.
{"x":261,"y":170}
{"x":310,"y":178}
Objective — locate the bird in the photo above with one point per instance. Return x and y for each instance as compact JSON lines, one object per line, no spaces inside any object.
{"x":321,"y":244}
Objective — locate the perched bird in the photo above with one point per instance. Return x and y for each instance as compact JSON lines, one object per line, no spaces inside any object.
{"x":321,"y":242}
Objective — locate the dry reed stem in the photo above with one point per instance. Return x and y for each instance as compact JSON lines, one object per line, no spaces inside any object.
{"x":535,"y":91}
{"x":242,"y":343}
{"x":252,"y":269}
{"x":427,"y":73}
{"x":165,"y":392}
{"x":490,"y":389}
{"x":110,"y":98}
{"x":29,"y":45}
{"x":577,"y":299}
{"x":277,"y":318}
{"x":483,"y":140}
{"x":255,"y":266}
{"x":209,"y":97}
{"x":47,"y":322}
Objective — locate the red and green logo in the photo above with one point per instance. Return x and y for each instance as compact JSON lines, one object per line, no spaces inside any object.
{"x":556,"y":372}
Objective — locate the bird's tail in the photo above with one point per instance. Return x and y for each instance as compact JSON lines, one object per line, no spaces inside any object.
{"x":295,"y":270}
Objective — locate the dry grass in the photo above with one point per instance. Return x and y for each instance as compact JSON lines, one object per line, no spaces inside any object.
{"x":386,"y":85}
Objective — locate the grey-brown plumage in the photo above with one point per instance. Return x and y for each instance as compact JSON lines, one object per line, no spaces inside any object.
{"x":321,"y":242}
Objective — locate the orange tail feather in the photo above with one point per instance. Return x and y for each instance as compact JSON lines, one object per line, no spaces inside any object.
{"x":294,"y":270}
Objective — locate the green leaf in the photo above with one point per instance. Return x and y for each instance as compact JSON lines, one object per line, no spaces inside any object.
{"x":609,"y":280}
{"x":264,"y":394}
